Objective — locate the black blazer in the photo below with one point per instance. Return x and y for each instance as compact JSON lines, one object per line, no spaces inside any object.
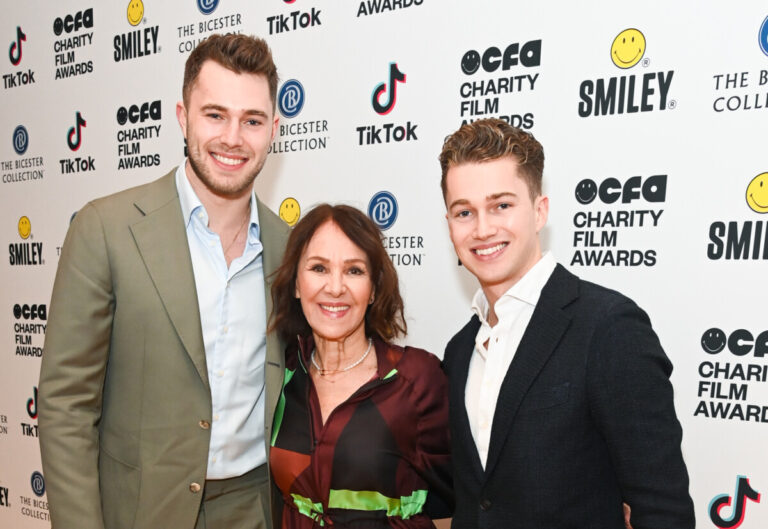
{"x":585,"y":420}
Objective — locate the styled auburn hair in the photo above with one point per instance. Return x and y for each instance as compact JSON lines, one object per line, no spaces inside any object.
{"x":384,"y":317}
{"x":490,"y":139}
{"x":239,"y":53}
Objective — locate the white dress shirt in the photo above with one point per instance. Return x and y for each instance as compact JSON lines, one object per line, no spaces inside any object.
{"x":489,"y":364}
{"x":233,"y":316}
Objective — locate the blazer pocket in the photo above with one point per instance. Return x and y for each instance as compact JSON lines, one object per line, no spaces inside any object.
{"x":119,"y":484}
{"x":543,"y":398}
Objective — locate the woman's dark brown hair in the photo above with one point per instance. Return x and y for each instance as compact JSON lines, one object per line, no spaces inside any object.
{"x":384,"y":316}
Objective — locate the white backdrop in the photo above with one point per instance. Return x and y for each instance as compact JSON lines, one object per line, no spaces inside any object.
{"x":669,"y":145}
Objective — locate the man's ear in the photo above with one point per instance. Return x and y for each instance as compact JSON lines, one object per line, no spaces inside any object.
{"x":181,"y":116}
{"x":541,"y":207}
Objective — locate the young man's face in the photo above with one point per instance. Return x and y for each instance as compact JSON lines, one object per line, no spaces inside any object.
{"x":493,"y":222}
{"x":229,"y":124}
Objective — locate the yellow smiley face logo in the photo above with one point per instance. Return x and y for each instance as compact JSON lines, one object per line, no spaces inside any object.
{"x":628,"y":48}
{"x":757,"y":194}
{"x":25,"y":227}
{"x":290,"y":211}
{"x":135,"y":12}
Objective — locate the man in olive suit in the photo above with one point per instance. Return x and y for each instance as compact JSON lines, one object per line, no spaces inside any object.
{"x":159,"y":379}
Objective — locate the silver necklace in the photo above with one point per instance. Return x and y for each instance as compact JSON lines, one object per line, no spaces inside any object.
{"x":356,"y":363}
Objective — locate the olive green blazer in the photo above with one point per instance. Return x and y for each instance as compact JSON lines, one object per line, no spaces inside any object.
{"x":124,"y":399}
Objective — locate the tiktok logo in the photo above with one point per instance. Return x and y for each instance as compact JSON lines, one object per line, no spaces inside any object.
{"x":14,"y":52}
{"x":32,"y":405}
{"x":75,"y":132}
{"x":743,"y":490}
{"x":395,"y":76}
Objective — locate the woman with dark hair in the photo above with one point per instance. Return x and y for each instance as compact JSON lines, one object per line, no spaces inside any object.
{"x":361,"y":430}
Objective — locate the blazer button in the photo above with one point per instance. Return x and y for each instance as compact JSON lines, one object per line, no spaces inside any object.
{"x":194,"y":487}
{"x":485,"y":504}
{"x":204,"y":425}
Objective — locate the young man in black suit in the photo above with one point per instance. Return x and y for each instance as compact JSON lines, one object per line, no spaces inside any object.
{"x":561,"y":406}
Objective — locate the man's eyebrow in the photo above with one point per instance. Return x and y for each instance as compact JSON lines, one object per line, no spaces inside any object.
{"x":220,"y":108}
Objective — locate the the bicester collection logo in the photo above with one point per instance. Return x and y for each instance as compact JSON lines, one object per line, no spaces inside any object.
{"x":295,"y":136}
{"x":15,"y":54}
{"x":629,"y":93}
{"x":27,"y":252}
{"x":404,"y":250}
{"x":743,"y":239}
{"x":383,"y":101}
{"x":597,"y":229}
{"x":72,"y":36}
{"x":138,"y":42}
{"x":736,"y":91}
{"x":496,"y":73}
{"x":139,"y":124}
{"x":193,"y":33}
{"x":21,"y":169}
{"x":35,"y":506}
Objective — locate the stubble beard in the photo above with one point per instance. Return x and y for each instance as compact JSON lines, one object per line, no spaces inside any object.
{"x":227,"y":188}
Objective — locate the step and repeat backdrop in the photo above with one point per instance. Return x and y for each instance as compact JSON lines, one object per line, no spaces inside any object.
{"x":653,"y":118}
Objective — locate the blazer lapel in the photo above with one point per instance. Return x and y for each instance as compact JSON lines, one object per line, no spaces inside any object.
{"x":545,"y":330}
{"x":273,"y":233}
{"x":162,"y":242}
{"x":462,"y":353}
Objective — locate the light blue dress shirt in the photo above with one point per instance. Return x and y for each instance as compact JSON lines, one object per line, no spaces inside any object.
{"x":233,"y":316}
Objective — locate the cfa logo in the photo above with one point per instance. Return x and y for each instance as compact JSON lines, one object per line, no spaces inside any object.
{"x":135,"y":12}
{"x":382,"y":209}
{"x":20,"y":140}
{"x":82,"y":19}
{"x":290,"y":100}
{"x":628,"y":48}
{"x":654,"y":189}
{"x":38,"y":484}
{"x":207,"y":7}
{"x":25,"y":227}
{"x":757,"y":193}
{"x":762,"y":36}
{"x":290,"y":211}
{"x":30,"y":312}
{"x":14,"y":52}
{"x":74,"y":138}
{"x":395,"y":76}
{"x":743,"y":492}
{"x":740,"y":342}
{"x":32,"y":404}
{"x":528,"y":55}
{"x":136,"y":113}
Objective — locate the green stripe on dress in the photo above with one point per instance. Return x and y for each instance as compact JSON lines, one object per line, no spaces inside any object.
{"x":308,"y":508}
{"x":370,"y":500}
{"x":280,"y":409}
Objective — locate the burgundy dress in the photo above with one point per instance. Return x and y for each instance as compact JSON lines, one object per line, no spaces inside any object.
{"x":382,"y":457}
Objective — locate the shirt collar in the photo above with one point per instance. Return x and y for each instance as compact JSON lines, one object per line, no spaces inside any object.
{"x":527,"y":289}
{"x":190,"y":203}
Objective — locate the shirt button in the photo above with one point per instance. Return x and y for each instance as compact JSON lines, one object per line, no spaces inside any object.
{"x":219,"y":373}
{"x":225,"y":329}
{"x":204,"y":425}
{"x":216,"y":417}
{"x":194,"y":487}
